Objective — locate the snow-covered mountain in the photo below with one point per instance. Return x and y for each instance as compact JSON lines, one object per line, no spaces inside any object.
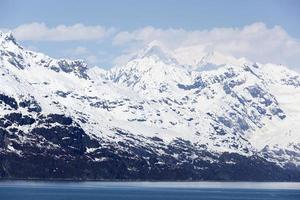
{"x":156,"y":117}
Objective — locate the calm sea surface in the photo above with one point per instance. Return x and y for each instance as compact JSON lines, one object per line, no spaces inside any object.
{"x":35,"y":190}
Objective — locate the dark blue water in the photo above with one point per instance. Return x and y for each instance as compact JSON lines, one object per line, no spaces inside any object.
{"x":11,"y":190}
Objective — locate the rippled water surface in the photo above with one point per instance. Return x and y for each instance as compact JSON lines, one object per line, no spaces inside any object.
{"x":35,"y":190}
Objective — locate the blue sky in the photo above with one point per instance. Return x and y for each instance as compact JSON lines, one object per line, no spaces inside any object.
{"x":107,"y":19}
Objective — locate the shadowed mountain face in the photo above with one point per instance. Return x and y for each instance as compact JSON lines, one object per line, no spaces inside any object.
{"x":151,"y":119}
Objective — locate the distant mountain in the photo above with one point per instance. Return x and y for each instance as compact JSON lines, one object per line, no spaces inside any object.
{"x":155,"y":118}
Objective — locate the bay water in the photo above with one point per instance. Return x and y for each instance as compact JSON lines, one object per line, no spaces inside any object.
{"x":65,"y":190}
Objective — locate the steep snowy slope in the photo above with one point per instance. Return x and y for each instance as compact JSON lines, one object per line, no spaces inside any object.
{"x":150,"y":119}
{"x":252,"y":99}
{"x":152,"y":72}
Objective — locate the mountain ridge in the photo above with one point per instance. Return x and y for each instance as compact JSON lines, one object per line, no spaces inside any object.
{"x":151,"y":119}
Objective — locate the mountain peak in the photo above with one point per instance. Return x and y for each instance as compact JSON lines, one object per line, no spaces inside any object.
{"x":8,"y":36}
{"x":22,"y":58}
{"x":214,"y":59}
{"x":156,"y":49}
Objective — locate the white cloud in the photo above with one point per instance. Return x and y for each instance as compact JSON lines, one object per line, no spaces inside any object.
{"x":81,"y":52}
{"x":41,"y":32}
{"x":77,"y":51}
{"x":256,"y":42}
{"x":93,"y":58}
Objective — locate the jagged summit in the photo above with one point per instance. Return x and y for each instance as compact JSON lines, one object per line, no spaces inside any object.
{"x":215,"y":59}
{"x":8,"y":36}
{"x":153,"y":67}
{"x":22,"y":59}
{"x":198,"y":58}
{"x":8,"y":42}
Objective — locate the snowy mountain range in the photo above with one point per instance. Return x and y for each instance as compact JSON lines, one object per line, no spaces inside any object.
{"x":160,"y":116}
